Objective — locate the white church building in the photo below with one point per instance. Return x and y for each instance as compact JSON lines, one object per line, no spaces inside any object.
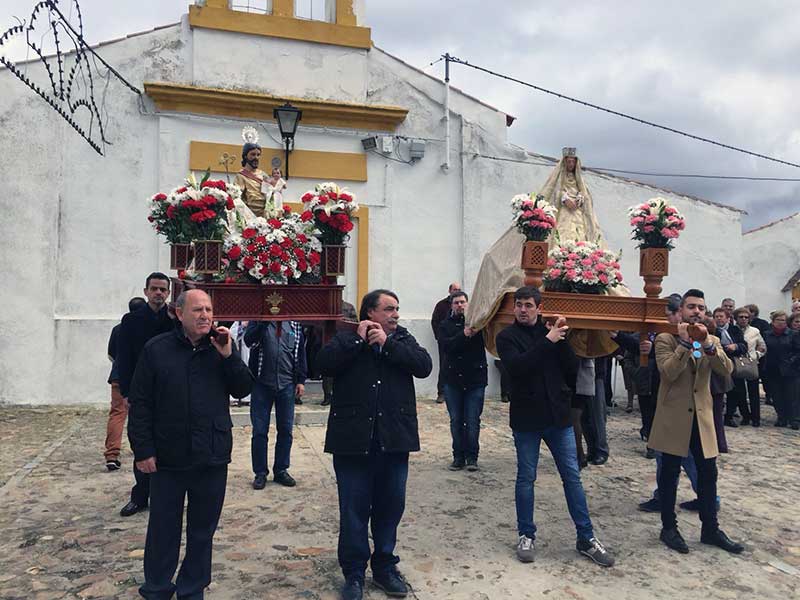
{"x":76,"y":243}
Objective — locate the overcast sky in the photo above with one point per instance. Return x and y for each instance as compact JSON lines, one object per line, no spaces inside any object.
{"x":719,"y":69}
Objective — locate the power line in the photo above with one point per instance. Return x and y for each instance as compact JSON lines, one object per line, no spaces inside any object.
{"x":450,"y":58}
{"x":628,"y":172}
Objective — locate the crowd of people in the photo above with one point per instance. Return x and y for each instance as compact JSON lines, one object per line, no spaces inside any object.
{"x":174,"y":371}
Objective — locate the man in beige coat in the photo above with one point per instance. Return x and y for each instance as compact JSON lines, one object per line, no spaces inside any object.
{"x":684,"y":420}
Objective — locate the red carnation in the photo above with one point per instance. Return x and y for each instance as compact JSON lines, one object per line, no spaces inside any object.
{"x":199,"y":217}
{"x":302,"y":265}
{"x":333,"y":195}
{"x":249,"y":262}
{"x":287,"y":209}
{"x":261,"y":240}
{"x":299,"y":253}
{"x":314,"y":258}
{"x":323,"y":217}
{"x":323,"y":199}
{"x":249,"y":233}
{"x":302,"y":238}
{"x":286,"y":243}
{"x":234,"y":253}
{"x":263,"y":258}
{"x":275,"y":250}
{"x":229,"y":203}
{"x":251,"y":247}
{"x":264,"y":269}
{"x":288,"y":272}
{"x":284,"y":256}
{"x":180,"y":190}
{"x":307,"y":197}
{"x":346,"y":197}
{"x":306,"y":216}
{"x":275,"y":223}
{"x":347,"y":227}
{"x":160,"y":197}
{"x":210,"y":214}
{"x":275,"y":267}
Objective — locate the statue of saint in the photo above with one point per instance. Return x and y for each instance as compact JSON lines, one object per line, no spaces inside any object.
{"x":565,"y":189}
{"x":257,"y":191}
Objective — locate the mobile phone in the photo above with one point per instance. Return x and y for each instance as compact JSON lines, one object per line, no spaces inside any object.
{"x":222,"y":338}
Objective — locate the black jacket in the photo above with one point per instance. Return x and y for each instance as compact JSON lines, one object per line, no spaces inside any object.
{"x":542,"y":376}
{"x":179,"y":401}
{"x":647,"y":378}
{"x":465,"y":358}
{"x":783,"y":353}
{"x":738,"y":338}
{"x":373,"y":394}
{"x":135,"y":330}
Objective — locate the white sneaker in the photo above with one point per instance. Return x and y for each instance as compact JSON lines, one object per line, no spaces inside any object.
{"x":525,"y":549}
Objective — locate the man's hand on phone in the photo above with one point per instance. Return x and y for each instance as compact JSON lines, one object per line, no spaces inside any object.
{"x":221,"y":340}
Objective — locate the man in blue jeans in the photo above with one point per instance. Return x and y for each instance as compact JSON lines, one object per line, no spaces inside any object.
{"x":465,"y":382}
{"x":543,"y":368}
{"x":278,"y":362}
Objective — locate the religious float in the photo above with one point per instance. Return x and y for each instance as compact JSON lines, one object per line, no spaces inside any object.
{"x":256,"y":257}
{"x":556,"y":243}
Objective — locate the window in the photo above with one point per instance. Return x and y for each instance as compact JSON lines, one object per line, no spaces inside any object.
{"x":316,"y":10}
{"x":262,"y":7}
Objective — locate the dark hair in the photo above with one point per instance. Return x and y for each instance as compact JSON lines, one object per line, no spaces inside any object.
{"x":528,"y":291}
{"x":753,"y":308}
{"x":719,"y":309}
{"x":458,"y":294}
{"x":136,"y":303}
{"x":693,"y":293}
{"x":674,"y":302}
{"x":156,"y":275}
{"x":370,"y":302}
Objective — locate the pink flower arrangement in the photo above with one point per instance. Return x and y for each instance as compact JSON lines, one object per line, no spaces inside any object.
{"x":534,"y":217}
{"x":655,"y":223}
{"x":591,"y":271}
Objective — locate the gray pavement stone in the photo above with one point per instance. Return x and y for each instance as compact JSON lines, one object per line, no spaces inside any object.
{"x":62,"y":536}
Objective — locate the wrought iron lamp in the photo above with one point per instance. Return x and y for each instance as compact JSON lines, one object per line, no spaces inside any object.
{"x":287,"y":117}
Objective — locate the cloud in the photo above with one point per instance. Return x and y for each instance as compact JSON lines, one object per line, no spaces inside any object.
{"x":718,"y":69}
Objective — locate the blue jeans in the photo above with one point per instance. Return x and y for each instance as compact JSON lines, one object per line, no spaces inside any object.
{"x":372,"y":492}
{"x":561,"y":442}
{"x":261,"y":401}
{"x":465,"y":408}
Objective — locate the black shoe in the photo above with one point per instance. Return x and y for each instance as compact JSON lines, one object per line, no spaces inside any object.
{"x":673,"y":539}
{"x":650,"y":453}
{"x":720,"y":540}
{"x":504,"y":399}
{"x":113,"y":465}
{"x":391,"y":582}
{"x":472,"y":465}
{"x":691,"y":505}
{"x":745,"y":421}
{"x":456,"y":465}
{"x":260,"y":481}
{"x":439,"y":399}
{"x":131,"y":508}
{"x":298,"y":401}
{"x":284,"y":479}
{"x":756,"y":423}
{"x":652,"y":506}
{"x":729,"y":422}
{"x":600,"y":460}
{"x":353,"y":589}
{"x":325,"y":401}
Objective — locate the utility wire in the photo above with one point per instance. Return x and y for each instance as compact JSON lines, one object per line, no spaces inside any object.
{"x":454,"y":59}
{"x":643,"y":173}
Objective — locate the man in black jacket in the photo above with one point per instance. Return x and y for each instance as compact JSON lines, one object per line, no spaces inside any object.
{"x":180,"y":431}
{"x":732,"y":340}
{"x":465,"y":382}
{"x":543,"y":369}
{"x":134,"y":332}
{"x":440,"y":312}
{"x":372,"y":427}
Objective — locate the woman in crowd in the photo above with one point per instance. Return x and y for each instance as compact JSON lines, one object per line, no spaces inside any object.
{"x":783,"y":369}
{"x":756,"y":348}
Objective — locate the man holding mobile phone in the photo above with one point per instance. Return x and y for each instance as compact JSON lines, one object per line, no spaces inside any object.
{"x":543,"y":369}
{"x":180,"y":432}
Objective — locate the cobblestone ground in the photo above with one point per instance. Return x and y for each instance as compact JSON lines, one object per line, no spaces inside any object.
{"x":62,"y":536}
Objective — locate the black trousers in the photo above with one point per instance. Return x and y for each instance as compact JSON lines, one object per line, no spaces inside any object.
{"x":706,"y":485}
{"x":440,"y":379}
{"x":140,"y":492}
{"x":785,"y":392}
{"x":647,"y":406}
{"x":205,"y":488}
{"x":745,"y":397}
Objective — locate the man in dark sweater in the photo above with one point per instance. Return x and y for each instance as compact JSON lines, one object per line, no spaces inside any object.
{"x":465,"y":382}
{"x":180,"y":433}
{"x":440,"y":312}
{"x":543,"y":368}
{"x":136,"y":329}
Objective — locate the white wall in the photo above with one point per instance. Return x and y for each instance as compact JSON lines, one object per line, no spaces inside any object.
{"x":78,"y":245}
{"x":771,"y":255}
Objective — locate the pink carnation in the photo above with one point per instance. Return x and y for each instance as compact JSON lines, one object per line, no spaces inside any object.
{"x":651,"y":219}
{"x":569,"y":264}
{"x":603,"y":278}
{"x":551,"y":262}
{"x":554,"y":273}
{"x":586,"y":262}
{"x":571,"y":273}
{"x":649,"y":228}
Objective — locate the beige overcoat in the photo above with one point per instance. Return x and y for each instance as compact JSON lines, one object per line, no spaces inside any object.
{"x":685,"y":390}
